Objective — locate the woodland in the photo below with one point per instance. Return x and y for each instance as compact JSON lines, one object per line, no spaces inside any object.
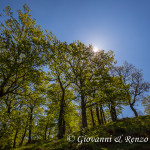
{"x":50,"y":89}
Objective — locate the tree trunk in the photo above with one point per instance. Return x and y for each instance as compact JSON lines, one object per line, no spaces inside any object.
{"x":45,"y":133}
{"x":97,"y":114}
{"x":14,"y":144}
{"x":8,"y":110}
{"x":22,"y":139}
{"x":131,"y":106}
{"x":1,"y":92}
{"x":49,"y":134}
{"x":83,"y":109}
{"x":113,"y":112}
{"x":101,"y":114}
{"x":134,"y":110}
{"x":93,"y":122}
{"x":61,"y":124}
{"x":30,"y":125}
{"x":64,"y":126}
{"x":61,"y":118}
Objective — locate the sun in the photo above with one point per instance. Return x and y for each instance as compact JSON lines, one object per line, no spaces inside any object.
{"x":95,"y":49}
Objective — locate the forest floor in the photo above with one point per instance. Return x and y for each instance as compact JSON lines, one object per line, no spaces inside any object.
{"x":124,"y":134}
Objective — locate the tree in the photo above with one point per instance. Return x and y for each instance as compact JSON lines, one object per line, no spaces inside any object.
{"x":56,"y":71}
{"x":33,"y":101}
{"x":78,"y":59}
{"x":79,"y":89}
{"x":22,"y":48}
{"x":115,"y":95}
{"x":101,"y":64}
{"x":146,"y":103}
{"x":137,"y":86}
{"x":22,"y":52}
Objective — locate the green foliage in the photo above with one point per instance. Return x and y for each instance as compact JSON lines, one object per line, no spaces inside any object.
{"x":146,"y":103}
{"x":49,"y":89}
{"x":21,"y":51}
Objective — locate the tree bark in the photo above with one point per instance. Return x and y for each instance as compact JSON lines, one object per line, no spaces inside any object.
{"x":14,"y":144}
{"x":134,"y":110}
{"x":103,"y":115}
{"x":30,"y":124}
{"x":61,"y":124}
{"x":83,"y":109}
{"x":93,"y":122}
{"x":22,"y":139}
{"x":113,"y":111}
{"x":49,"y":134}
{"x":64,"y":126}
{"x":45,"y":133}
{"x":97,"y":114}
{"x":60,"y":119}
{"x":132,"y":106}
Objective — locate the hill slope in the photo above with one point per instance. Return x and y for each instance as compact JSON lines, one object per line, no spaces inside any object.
{"x":125,"y":134}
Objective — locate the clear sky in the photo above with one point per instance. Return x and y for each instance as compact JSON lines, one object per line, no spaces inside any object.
{"x":119,"y":25}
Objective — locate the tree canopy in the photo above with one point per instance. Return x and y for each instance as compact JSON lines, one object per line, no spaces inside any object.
{"x":49,"y":88}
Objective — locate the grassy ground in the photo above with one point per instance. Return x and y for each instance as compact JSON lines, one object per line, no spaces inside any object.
{"x":134,"y":134}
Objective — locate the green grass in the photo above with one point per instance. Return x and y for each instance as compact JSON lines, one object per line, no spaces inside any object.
{"x":134,"y":127}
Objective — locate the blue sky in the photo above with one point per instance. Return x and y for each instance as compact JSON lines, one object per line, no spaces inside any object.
{"x":119,"y":25}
